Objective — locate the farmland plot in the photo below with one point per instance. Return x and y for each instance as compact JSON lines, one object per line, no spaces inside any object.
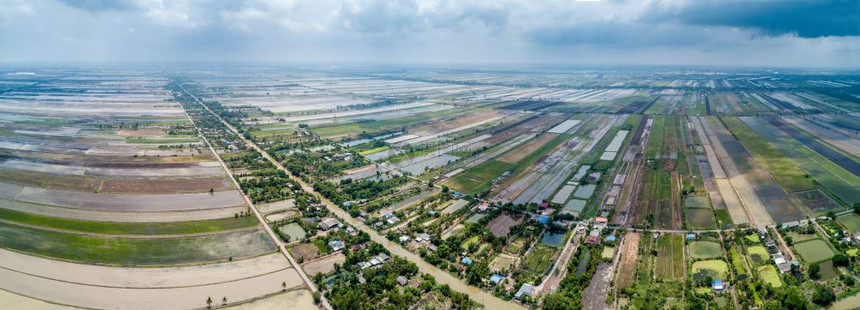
{"x":671,"y":264}
{"x":832,"y":177}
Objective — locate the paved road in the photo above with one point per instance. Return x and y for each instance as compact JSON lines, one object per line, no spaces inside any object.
{"x":488,"y":300}
{"x":268,"y":229}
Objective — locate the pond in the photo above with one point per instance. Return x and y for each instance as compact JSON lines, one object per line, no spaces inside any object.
{"x":293,"y":230}
{"x":553,"y":240}
{"x":585,"y":191}
{"x":583,"y":264}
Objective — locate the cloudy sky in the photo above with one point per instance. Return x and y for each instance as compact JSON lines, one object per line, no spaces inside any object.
{"x":790,"y":33}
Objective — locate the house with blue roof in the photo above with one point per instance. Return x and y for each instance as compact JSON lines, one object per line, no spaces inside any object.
{"x":717,"y":285}
{"x":543,"y":219}
{"x":496,"y":279}
{"x":466,"y":261}
{"x":691,"y":236}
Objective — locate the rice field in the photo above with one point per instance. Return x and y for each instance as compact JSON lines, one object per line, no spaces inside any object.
{"x":671,"y":264}
{"x":813,"y":251}
{"x":717,"y":269}
{"x":770,"y":276}
{"x":705,"y":249}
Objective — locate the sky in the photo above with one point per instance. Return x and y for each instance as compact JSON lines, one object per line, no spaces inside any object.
{"x":743,"y":33}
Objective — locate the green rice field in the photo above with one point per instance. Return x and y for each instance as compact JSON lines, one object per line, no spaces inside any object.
{"x":785,"y":171}
{"x":717,"y":269}
{"x":769,"y":275}
{"x":851,"y":221}
{"x":132,"y":252}
{"x":813,"y":251}
{"x":758,"y":254}
{"x":701,"y":219}
{"x":119,"y":228}
{"x":705,"y":249}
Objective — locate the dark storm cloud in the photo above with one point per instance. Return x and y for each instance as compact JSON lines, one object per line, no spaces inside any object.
{"x":805,"y":18}
{"x":801,"y":33}
{"x":616,"y":33}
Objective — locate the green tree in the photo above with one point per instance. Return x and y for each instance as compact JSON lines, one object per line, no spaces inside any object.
{"x":556,"y":301}
{"x":840,"y":260}
{"x":794,"y":299}
{"x":823,"y":295}
{"x":477,"y":272}
{"x":814,"y":270}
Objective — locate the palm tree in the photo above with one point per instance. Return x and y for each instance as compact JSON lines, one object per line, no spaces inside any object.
{"x":208,"y":302}
{"x":224,"y":301}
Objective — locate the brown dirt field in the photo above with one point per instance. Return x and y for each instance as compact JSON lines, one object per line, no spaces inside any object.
{"x":36,"y":179}
{"x":139,"y":164}
{"x":677,"y":217}
{"x":517,"y":154}
{"x":168,"y":186}
{"x":323,"y":265}
{"x":815,"y":200}
{"x":537,"y":124}
{"x":115,"y":185}
{"x":448,"y":123}
{"x":141,"y":132}
{"x":198,"y":156}
{"x":733,"y":100}
{"x":501,"y":225}
{"x":304,"y":252}
{"x":627,"y":265}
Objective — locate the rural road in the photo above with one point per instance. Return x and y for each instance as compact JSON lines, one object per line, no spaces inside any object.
{"x":257,"y":213}
{"x":488,"y":300}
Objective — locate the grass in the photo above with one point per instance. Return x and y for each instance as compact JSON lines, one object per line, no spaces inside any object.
{"x":469,"y":242}
{"x":374,"y":150}
{"x":118,"y":228}
{"x":134,"y":252}
{"x":813,"y":251}
{"x":758,"y":254}
{"x":724,"y":218}
{"x":752,"y":238}
{"x":696,"y":202}
{"x":515,"y":246}
{"x":769,"y":275}
{"x":479,"y":178}
{"x":701,"y":219}
{"x":138,"y":140}
{"x":655,"y":140}
{"x":737,"y":263}
{"x":783,"y":169}
{"x":670,"y":257}
{"x":608,"y":252}
{"x":717,"y":269}
{"x":832,"y":177}
{"x":798,"y":237}
{"x":503,"y":262}
{"x":373,"y":126}
{"x":539,"y":260}
{"x":828,"y":271}
{"x":705,"y":249}
{"x":851,"y":221}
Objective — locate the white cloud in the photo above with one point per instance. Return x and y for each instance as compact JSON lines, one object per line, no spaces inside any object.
{"x":563,"y":31}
